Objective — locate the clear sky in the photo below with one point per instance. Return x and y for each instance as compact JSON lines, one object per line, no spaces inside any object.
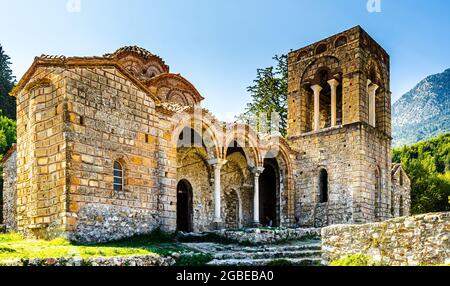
{"x":219,"y":44}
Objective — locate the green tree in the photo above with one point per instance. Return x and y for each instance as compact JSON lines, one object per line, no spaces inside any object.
{"x":428,"y":166}
{"x":7,"y":81}
{"x":269,"y":95}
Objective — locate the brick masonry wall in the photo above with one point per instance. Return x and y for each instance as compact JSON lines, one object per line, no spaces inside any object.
{"x":418,"y":240}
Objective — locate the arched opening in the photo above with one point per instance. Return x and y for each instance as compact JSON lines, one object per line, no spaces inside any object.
{"x":184,"y":207}
{"x":393,"y":204}
{"x":269,"y":186}
{"x":232,"y":207}
{"x":321,"y":48}
{"x":323,"y":186}
{"x":118,"y":176}
{"x":377,"y":194}
{"x":341,"y":41}
{"x":401,"y":213}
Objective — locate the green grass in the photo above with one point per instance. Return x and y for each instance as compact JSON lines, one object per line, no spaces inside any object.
{"x":13,"y":246}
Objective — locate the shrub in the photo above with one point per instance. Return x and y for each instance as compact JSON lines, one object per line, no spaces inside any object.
{"x":354,"y":260}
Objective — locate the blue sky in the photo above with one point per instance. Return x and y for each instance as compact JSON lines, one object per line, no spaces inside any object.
{"x":219,"y":44}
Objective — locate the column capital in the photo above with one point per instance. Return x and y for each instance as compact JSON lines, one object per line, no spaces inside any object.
{"x":369,"y":82}
{"x":333,"y":82}
{"x":257,"y":171}
{"x":316,"y":88}
{"x":373,"y":88}
{"x":217,"y":162}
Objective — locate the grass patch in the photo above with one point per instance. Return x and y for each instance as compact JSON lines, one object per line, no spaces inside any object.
{"x":354,"y":260}
{"x":13,"y":246}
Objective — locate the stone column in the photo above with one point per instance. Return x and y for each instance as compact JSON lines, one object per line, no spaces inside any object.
{"x":333,"y":84}
{"x":217,"y":165}
{"x":317,"y":89}
{"x":372,"y":90}
{"x":256,"y":172}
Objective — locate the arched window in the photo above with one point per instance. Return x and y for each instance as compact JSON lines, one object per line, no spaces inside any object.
{"x":393,"y":204}
{"x":401,"y":206}
{"x":401,"y":179}
{"x":321,"y":48}
{"x":377,"y":193}
{"x":342,"y":40}
{"x":118,"y":176}
{"x":323,"y":186}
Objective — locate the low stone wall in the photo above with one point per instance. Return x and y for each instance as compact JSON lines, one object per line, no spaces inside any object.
{"x":417,"y":240}
{"x":143,"y":260}
{"x":268,"y":236}
{"x":98,"y":223}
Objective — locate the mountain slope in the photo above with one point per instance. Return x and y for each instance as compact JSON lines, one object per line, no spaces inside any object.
{"x":423,"y":112}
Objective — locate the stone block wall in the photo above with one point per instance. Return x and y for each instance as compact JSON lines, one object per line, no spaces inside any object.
{"x":418,"y":240}
{"x":401,"y":192}
{"x":10,"y":193}
{"x":110,"y":119}
{"x":41,"y":145}
{"x":335,"y":151}
{"x":355,"y":154}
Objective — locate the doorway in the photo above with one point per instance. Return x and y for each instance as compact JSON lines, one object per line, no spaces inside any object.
{"x":184,"y":207}
{"x":269,"y":184}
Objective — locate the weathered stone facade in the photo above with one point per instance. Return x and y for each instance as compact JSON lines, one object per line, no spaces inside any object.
{"x":418,"y":240}
{"x":114,"y":146}
{"x":340,"y":123}
{"x":401,"y":192}
{"x":9,"y":191}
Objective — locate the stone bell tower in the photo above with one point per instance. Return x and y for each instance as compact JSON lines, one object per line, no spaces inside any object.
{"x":339,"y":119}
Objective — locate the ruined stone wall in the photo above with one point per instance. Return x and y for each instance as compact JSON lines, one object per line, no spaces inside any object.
{"x":401,"y":193}
{"x":10,"y":193}
{"x":418,"y":240}
{"x":110,"y":119}
{"x":41,"y":176}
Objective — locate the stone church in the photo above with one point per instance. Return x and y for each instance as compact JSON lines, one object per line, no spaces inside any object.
{"x":116,"y":145}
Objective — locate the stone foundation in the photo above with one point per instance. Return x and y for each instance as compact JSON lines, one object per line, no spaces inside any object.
{"x":144,"y":260}
{"x":103,"y":223}
{"x":418,"y":240}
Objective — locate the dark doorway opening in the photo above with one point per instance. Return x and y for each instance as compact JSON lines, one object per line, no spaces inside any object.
{"x":268,"y":188}
{"x":184,"y":206}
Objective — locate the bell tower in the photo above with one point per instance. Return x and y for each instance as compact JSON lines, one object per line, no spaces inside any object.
{"x":339,"y":118}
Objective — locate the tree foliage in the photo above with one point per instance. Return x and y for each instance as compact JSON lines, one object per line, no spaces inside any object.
{"x":428,"y":166}
{"x":269,"y":96}
{"x":7,"y":80}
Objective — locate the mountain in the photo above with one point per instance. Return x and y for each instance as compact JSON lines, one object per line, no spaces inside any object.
{"x":423,"y":112}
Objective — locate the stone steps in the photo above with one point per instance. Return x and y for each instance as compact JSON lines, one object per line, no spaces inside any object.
{"x":265,"y":262}
{"x":268,"y":255}
{"x":305,"y":253}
